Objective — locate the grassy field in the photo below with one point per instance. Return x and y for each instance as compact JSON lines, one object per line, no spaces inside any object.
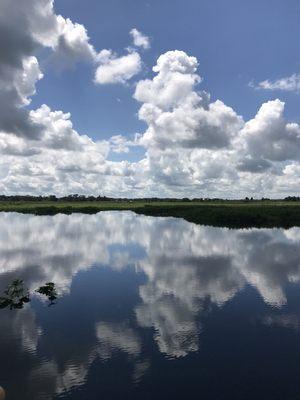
{"x":232,"y":214}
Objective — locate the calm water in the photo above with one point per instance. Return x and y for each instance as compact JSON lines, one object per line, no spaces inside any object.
{"x":150,"y":308}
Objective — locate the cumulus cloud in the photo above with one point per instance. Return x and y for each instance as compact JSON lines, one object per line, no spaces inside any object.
{"x":114,"y":69}
{"x":139,"y":39}
{"x":192,"y":145}
{"x":121,"y":144}
{"x":189,"y":138}
{"x":72,"y":44}
{"x":269,"y":136}
{"x":23,"y":29}
{"x":173,"y":83}
{"x":287,"y":84}
{"x":59,"y":132}
{"x":202,"y":147}
{"x":60,"y":159}
{"x":254,"y":165}
{"x":16,"y":85}
{"x":45,"y":153}
{"x":176,"y":114}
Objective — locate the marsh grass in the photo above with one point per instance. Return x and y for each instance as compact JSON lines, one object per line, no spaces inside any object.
{"x":232,"y":214}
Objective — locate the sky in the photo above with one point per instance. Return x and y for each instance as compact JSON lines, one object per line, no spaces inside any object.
{"x":135,"y":98}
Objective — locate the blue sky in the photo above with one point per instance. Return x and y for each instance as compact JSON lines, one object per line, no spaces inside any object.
{"x":111,"y":97}
{"x":235,"y":42}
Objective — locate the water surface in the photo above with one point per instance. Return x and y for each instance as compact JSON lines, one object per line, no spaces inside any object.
{"x":149,"y":308}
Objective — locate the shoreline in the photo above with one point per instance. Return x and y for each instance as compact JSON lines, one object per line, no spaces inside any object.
{"x":230,"y":214}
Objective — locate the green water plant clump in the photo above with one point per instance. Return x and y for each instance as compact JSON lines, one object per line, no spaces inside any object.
{"x":16,"y":294}
{"x":48,"y":290}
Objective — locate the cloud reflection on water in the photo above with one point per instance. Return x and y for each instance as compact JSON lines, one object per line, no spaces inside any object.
{"x":185,"y":266}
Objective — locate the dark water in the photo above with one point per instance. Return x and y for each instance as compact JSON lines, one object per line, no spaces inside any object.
{"x":150,"y":308}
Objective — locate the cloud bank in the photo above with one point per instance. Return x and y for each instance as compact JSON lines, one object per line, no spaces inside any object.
{"x":193,"y":146}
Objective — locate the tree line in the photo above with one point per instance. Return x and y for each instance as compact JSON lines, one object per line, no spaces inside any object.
{"x":83,"y":198}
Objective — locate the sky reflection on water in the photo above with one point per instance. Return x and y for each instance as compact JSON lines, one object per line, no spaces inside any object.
{"x":149,"y":307}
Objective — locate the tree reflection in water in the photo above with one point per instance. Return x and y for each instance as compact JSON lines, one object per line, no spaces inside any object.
{"x":16,"y":294}
{"x":49,"y":291}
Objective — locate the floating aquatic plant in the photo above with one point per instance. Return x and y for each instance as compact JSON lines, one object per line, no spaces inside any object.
{"x":16,"y":295}
{"x":48,"y":290}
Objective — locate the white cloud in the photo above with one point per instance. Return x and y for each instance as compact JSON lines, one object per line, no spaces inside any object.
{"x":193,"y":146}
{"x":288,"y":84}
{"x":204,"y":148}
{"x":177,"y":115}
{"x":26,"y":80}
{"x":269,"y":136}
{"x":114,"y":69}
{"x":139,"y":39}
{"x":61,"y":161}
{"x":24,"y":27}
{"x":189,"y":138}
{"x":72,"y":44}
{"x":121,"y":144}
{"x":173,"y":83}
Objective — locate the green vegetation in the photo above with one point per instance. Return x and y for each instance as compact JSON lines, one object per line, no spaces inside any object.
{"x":16,"y":295}
{"x":49,"y":291}
{"x":233,"y":215}
{"x":226,"y":213}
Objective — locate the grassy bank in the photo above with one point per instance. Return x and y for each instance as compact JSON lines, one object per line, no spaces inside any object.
{"x":232,"y":214}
